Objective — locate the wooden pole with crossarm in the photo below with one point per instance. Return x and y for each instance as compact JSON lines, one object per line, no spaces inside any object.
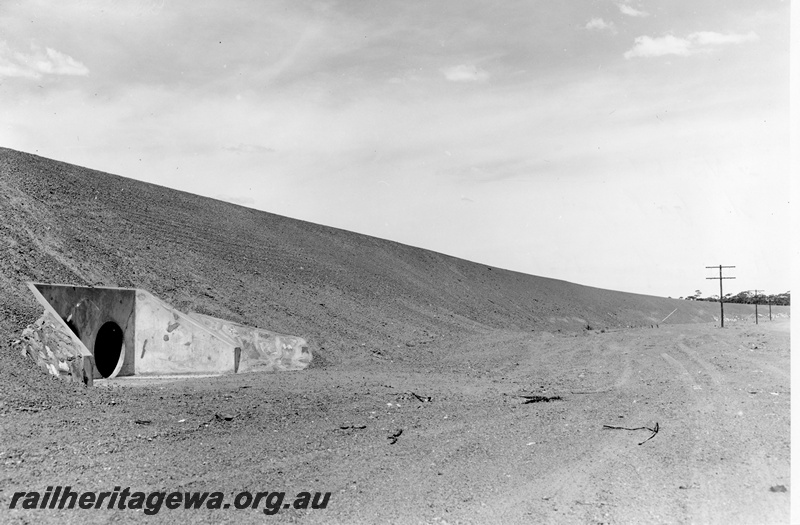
{"x":755,"y":297}
{"x":721,"y":309}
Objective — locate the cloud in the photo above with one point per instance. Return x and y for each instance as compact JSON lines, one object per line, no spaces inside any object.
{"x":699,"y":42}
{"x":645,"y":46}
{"x":630,"y":11}
{"x":247,"y":148}
{"x":712,"y":38}
{"x":465,"y":73}
{"x":599,"y":24}
{"x":37,"y":63}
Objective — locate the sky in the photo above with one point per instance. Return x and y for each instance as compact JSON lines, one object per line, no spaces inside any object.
{"x":619,"y":144}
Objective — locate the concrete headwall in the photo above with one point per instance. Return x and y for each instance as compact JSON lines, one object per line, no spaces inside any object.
{"x":86,"y":310}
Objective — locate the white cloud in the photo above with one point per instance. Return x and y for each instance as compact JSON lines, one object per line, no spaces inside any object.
{"x":465,"y":73}
{"x":699,"y":42}
{"x":37,"y":63}
{"x":247,"y":148}
{"x":630,"y":11}
{"x":599,"y":24}
{"x":10,"y":69}
{"x":712,"y":38}
{"x":645,"y":46}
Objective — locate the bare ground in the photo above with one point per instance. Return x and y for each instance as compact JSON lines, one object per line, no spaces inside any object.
{"x":476,"y":452}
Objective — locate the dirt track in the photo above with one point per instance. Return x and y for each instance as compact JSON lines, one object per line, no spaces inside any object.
{"x":474,"y":453}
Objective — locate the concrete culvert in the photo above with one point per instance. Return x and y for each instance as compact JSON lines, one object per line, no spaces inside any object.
{"x":129,"y":331}
{"x":108,"y":348}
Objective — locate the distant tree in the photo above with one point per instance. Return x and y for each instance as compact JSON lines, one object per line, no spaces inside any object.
{"x":746,"y":297}
{"x":780,"y":299}
{"x":695,"y":297}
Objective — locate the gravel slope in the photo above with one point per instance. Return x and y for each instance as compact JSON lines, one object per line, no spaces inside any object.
{"x":64,"y":223}
{"x":386,"y":321}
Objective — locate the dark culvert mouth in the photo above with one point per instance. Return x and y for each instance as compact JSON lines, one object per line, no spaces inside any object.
{"x":108,"y":348}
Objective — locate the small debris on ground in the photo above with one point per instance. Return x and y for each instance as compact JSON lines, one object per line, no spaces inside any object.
{"x":223,"y":417}
{"x":778,"y":488}
{"x":654,"y":430}
{"x":539,"y":399}
{"x":411,"y":395}
{"x":393,"y":437}
{"x":353,"y":427}
{"x":142,"y":421}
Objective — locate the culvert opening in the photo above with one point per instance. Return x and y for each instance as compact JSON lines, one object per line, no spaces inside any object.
{"x":108,"y":348}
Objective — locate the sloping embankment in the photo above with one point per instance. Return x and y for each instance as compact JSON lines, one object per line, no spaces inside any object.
{"x":344,"y":292}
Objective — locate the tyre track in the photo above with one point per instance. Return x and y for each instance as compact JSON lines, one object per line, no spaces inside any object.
{"x":712,"y":371}
{"x":683,"y":373}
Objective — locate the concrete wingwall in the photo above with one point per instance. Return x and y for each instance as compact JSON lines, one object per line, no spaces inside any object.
{"x":261,"y":350}
{"x":170,"y":342}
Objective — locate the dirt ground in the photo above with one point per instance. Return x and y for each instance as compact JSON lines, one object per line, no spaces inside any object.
{"x":444,"y":434}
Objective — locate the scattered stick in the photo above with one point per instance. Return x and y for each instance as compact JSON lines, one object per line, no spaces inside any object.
{"x":539,"y":399}
{"x":351,"y":427}
{"x":421,"y":399}
{"x":411,"y":396}
{"x":654,"y":431}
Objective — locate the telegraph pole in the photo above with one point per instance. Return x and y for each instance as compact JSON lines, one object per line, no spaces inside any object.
{"x":721,"y":309}
{"x":755,"y":296}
